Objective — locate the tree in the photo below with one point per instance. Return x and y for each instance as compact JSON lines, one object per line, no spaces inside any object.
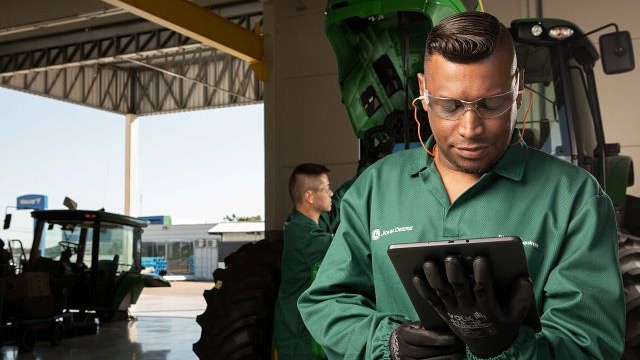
{"x":234,"y":218}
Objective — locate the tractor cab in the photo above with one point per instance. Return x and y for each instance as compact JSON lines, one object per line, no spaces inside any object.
{"x":92,"y":257}
{"x":564,"y":118}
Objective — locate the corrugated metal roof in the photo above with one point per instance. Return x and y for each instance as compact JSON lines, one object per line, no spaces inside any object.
{"x":87,"y":52}
{"x":235,"y":227}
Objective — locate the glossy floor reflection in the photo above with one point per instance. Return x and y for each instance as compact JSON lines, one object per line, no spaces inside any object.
{"x":164,"y":328}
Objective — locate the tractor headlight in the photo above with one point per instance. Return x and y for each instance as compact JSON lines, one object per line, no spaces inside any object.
{"x":560,"y":32}
{"x":536,"y":30}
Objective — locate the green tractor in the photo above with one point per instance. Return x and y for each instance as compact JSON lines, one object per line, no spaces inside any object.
{"x":83,"y":265}
{"x":379,"y":47}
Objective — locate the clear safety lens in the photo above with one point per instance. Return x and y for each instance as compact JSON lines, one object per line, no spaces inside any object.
{"x":487,"y":107}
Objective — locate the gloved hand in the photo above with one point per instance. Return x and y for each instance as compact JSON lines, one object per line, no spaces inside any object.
{"x":411,"y":341}
{"x":470,"y":307}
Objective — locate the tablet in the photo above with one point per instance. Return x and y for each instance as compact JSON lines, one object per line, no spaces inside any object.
{"x":505,"y":253}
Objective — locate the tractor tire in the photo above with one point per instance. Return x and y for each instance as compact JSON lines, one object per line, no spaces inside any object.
{"x":56,"y":333}
{"x":26,"y":339}
{"x":238,"y":321}
{"x":629,"y":246}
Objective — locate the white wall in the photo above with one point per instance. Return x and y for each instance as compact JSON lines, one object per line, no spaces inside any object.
{"x":242,"y":236}
{"x":507,"y":10}
{"x":205,"y":261}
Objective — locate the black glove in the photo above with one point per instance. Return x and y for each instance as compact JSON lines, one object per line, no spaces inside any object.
{"x":470,"y":307}
{"x":411,"y":341}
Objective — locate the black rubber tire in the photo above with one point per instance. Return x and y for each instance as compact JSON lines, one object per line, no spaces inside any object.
{"x":238,"y":321}
{"x":630,"y":269}
{"x":27,"y":338}
{"x":56,"y":333}
{"x":632,"y":337}
{"x":631,"y":292}
{"x":628,"y":246}
{"x":630,"y":264}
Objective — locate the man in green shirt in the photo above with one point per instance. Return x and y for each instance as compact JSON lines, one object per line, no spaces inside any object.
{"x":474,"y":178}
{"x":307,"y":235}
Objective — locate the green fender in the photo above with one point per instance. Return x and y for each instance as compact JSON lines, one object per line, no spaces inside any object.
{"x":619,"y":177}
{"x":130,"y":286}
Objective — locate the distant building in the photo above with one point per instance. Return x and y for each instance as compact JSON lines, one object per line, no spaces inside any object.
{"x":196,"y":250}
{"x":157,"y":219}
{"x":236,"y":234}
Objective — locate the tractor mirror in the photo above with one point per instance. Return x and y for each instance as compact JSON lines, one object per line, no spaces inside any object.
{"x":7,"y":221}
{"x":69,"y":203}
{"x":616,"y":51}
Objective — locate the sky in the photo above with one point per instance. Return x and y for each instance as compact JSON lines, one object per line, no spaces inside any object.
{"x":196,"y":166}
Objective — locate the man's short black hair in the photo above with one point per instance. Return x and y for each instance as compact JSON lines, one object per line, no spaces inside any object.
{"x":468,"y":37}
{"x":302,"y":176}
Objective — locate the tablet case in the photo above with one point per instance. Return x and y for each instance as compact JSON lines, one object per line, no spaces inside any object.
{"x":506,"y":254}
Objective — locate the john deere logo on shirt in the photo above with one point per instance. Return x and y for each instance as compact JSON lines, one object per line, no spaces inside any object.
{"x":376,"y":234}
{"x":531,"y":243}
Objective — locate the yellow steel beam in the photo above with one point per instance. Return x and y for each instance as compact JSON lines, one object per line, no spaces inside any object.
{"x":202,"y":25}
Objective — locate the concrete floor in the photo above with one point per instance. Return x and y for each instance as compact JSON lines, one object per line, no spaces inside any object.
{"x":164,"y":328}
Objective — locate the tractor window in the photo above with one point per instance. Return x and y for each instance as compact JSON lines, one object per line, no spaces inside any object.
{"x":179,"y":256}
{"x":584,"y":128}
{"x":543,"y":127}
{"x":61,"y":239}
{"x":116,"y":246}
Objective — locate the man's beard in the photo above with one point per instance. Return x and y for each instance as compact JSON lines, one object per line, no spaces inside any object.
{"x":477,"y":170}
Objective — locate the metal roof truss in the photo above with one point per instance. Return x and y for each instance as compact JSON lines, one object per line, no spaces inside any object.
{"x":148,"y":71}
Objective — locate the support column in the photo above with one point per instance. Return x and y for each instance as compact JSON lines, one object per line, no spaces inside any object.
{"x":131,"y":161}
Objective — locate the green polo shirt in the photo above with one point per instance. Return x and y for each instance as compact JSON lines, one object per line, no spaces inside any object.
{"x":565,"y":220}
{"x":305,"y":244}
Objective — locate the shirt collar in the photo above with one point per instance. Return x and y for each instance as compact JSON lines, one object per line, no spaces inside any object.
{"x":510,"y":165}
{"x":422,"y":160}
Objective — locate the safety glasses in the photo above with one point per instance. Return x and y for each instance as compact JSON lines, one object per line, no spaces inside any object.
{"x":486,"y":107}
{"x":326,"y":190}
